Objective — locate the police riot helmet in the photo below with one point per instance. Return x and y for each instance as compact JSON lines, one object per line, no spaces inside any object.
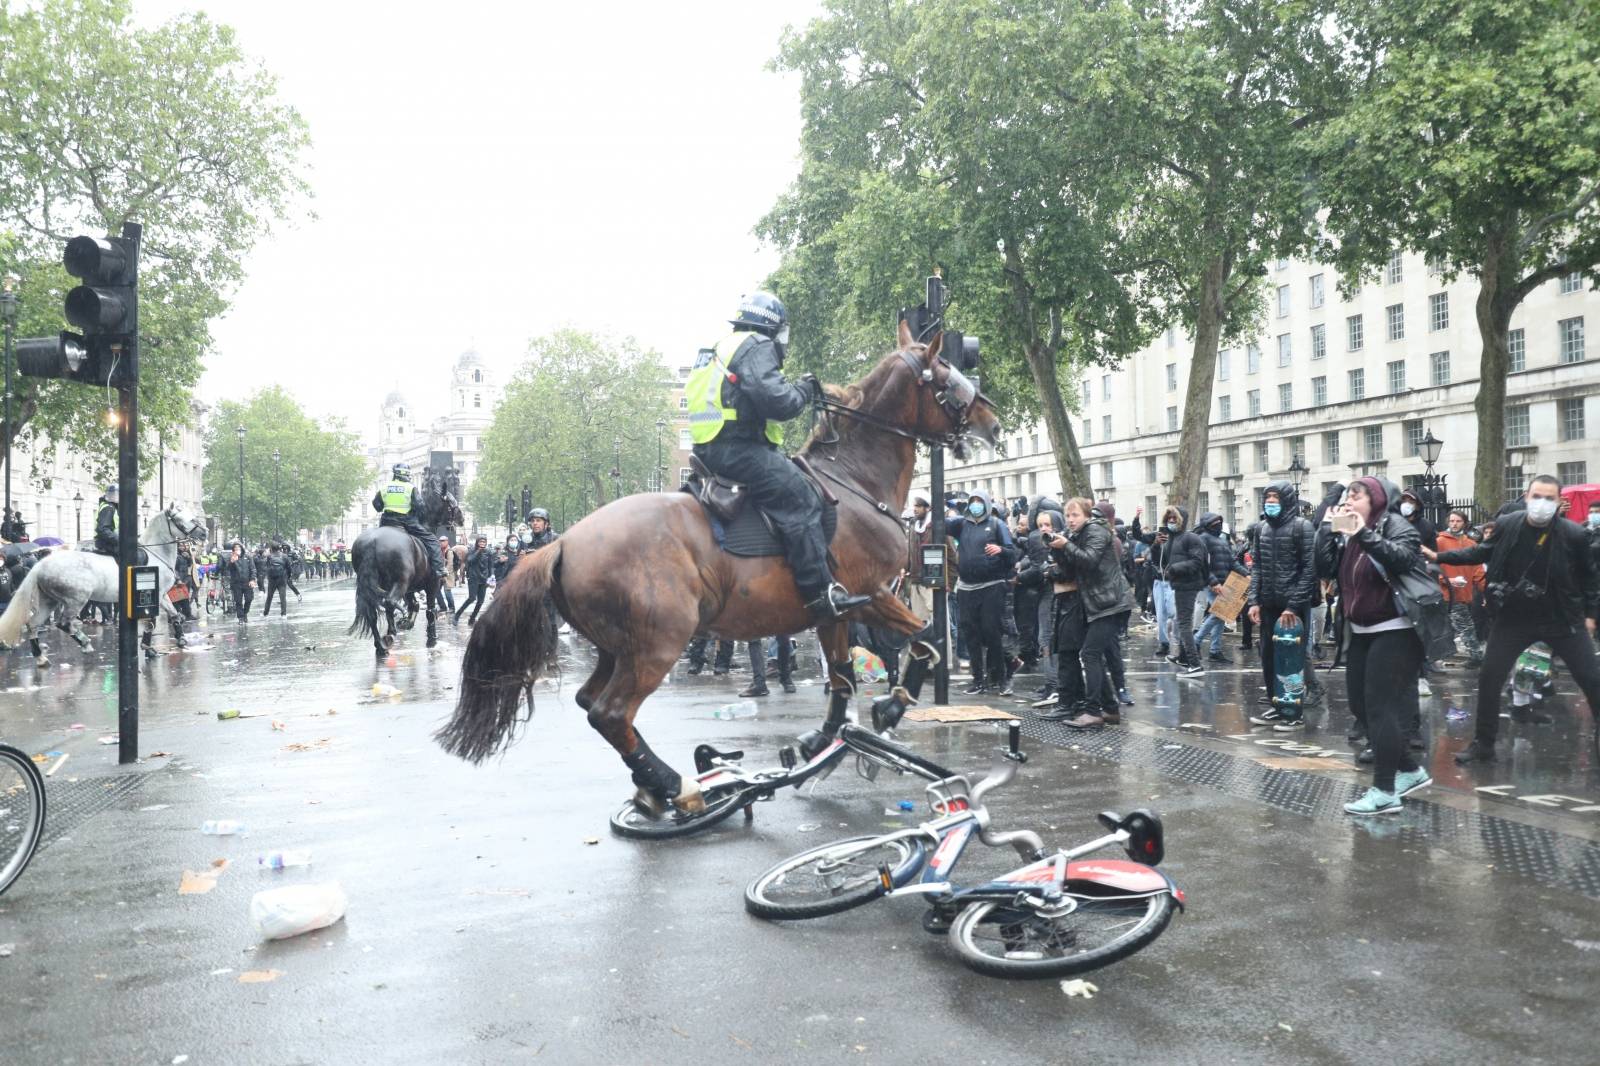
{"x":112,"y":492}
{"x":764,"y":313}
{"x":539,"y":512}
{"x":402,"y":471}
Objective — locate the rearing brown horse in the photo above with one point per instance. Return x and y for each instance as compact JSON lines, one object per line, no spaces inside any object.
{"x":641,"y":576}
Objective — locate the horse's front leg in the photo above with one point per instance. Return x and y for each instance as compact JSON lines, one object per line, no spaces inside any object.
{"x":432,"y":615}
{"x":835,"y":640}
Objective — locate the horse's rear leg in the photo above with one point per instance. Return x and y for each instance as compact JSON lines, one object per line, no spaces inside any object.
{"x":835,"y":640}
{"x":74,"y":629}
{"x":612,"y":713}
{"x":888,"y":612}
{"x":603,"y":666}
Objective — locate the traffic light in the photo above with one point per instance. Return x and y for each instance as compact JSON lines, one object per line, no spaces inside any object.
{"x":527,"y":503}
{"x":959,"y":350}
{"x":511,"y":512}
{"x":927,"y":318}
{"x":105,"y":307}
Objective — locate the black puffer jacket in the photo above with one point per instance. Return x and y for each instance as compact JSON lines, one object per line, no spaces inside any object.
{"x":1090,"y":558}
{"x":1031,"y":572}
{"x":1188,"y":560}
{"x":1218,"y":551}
{"x":973,"y":564}
{"x":758,"y":390}
{"x":1285,"y":572}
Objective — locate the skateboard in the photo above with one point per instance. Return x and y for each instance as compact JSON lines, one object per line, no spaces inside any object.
{"x":1288,"y":668}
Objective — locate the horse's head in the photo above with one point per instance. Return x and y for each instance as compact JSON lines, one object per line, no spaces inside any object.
{"x":946,"y":404}
{"x":182,"y":523}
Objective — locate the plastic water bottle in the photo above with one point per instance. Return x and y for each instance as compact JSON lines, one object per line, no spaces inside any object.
{"x":221,"y":828}
{"x":277,"y":860}
{"x":730,"y":711}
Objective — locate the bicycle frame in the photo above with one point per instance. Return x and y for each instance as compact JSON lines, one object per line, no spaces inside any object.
{"x":724,"y":771}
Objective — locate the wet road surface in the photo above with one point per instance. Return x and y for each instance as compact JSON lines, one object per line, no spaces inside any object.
{"x":483,"y":926}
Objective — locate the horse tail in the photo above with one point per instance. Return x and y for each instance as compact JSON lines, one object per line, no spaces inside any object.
{"x":21,"y":608}
{"x":513,"y":644}
{"x":369,"y":594}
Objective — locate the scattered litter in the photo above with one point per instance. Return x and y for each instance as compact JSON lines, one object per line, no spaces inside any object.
{"x":809,"y":827}
{"x":906,"y":805}
{"x":1585,"y":945}
{"x":6,"y":950}
{"x":221,"y":828}
{"x":591,"y":840}
{"x":280,"y":913}
{"x":179,"y":1060}
{"x":156,"y":807}
{"x":1286,"y":1027}
{"x":278,"y":726}
{"x":1195,"y":725}
{"x":41,"y":757}
{"x":220,"y":972}
{"x":1171,"y":747}
{"x":1077,"y":986}
{"x":111,"y":738}
{"x":278,"y":860}
{"x":1457,"y":714}
{"x":315,"y":745}
{"x":230,"y":714}
{"x":259,"y":977}
{"x":893,"y":812}
{"x":195,"y":884}
{"x":77,"y":727}
{"x":58,"y":763}
{"x":384,"y":691}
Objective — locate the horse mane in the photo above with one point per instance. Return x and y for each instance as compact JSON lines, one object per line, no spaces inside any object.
{"x":832,"y":430}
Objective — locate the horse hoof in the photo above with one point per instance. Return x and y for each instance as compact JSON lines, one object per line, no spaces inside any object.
{"x":690,"y":801}
{"x":432,"y":641}
{"x":649,"y":803}
{"x":88,"y":648}
{"x":388,"y":642}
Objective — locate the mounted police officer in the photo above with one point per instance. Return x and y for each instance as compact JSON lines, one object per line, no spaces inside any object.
{"x":399,"y":503}
{"x":105,"y":523}
{"x":737,"y":397}
{"x":539,"y":530}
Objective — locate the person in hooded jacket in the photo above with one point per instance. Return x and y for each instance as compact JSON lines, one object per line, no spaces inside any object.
{"x":985,"y":562}
{"x":1220,"y":563}
{"x":1091,"y":612}
{"x":1188,"y":572}
{"x":1283,"y":585}
{"x":1369,"y":545}
{"x":1159,"y":542}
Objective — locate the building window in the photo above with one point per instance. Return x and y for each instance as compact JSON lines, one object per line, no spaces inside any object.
{"x":1286,"y":397}
{"x":684,"y":440}
{"x":461,"y":397}
{"x":1261,"y":498}
{"x":683,"y":475}
{"x":1150,"y":508}
{"x":1086,"y":392}
{"x":1086,"y":431}
{"x":461,"y":444}
{"x":1569,"y":417}
{"x":1355,"y":335}
{"x":1573,"y":473}
{"x":1232,"y":454}
{"x":1172,"y":418}
{"x":1517,"y":351}
{"x":1105,"y":386}
{"x":1571,"y":330}
{"x":1318,"y":295}
{"x":1150,"y":469}
{"x":1319,"y":341}
{"x":1518,"y":429}
{"x":1281,"y":264}
{"x":1224,"y":359}
{"x":1394,"y":273}
{"x":1036,"y":444}
{"x":1413,"y":434}
{"x":683,"y":403}
{"x":1105,"y":427}
{"x":1319,"y":392}
{"x":1107,"y":479}
{"x":1252,"y":358}
{"x":1435,"y":265}
{"x":1439,"y":368}
{"x":1224,"y":408}
{"x":1205,"y":502}
{"x":1395,"y":315}
{"x":1372,"y":443}
{"x":1358,"y":384}
{"x":1513,"y":482}
{"x":1261,"y":456}
{"x":1252,"y":401}
{"x":1283,"y":301}
{"x":1297,"y":449}
{"x":1172,"y":376}
{"x":1572,"y":282}
{"x":1033,"y":483}
{"x":1285,"y":350}
{"x":1397,"y":376}
{"x":1330,"y":448}
{"x":477,"y":399}
{"x":477,"y":377}
{"x":1172,"y":336}
{"x":1438,"y":311}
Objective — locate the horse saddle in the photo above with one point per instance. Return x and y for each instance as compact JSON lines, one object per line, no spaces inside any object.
{"x":88,"y":546}
{"x":748,"y":531}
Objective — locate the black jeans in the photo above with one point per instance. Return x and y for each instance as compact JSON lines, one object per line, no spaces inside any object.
{"x":758,"y":662}
{"x":982,"y":625}
{"x":1099,"y":649}
{"x":476,"y":587}
{"x":1114,"y":664}
{"x":242,"y":595}
{"x":275,"y":588}
{"x":724,"y":659}
{"x":1380,"y":672}
{"x":1071,"y":630}
{"x":1027,"y":612}
{"x":1507,"y":640}
{"x":1183,"y":601}
{"x":1269,"y":618}
{"x":777,"y":487}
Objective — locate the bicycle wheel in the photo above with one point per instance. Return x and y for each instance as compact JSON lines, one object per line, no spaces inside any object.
{"x":635,"y":824}
{"x":22,"y":806}
{"x":1001,"y":940}
{"x":833,"y":877}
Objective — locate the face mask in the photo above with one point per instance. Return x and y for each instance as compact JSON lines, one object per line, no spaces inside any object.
{"x":975,"y":510}
{"x":1273,"y":510}
{"x":1540,"y":512}
{"x":1408,"y":509}
{"x":1172,"y":527}
{"x":1594,"y":519}
{"x":783,"y":335}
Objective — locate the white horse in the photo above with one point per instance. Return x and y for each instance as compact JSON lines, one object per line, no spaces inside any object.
{"x":60,"y":585}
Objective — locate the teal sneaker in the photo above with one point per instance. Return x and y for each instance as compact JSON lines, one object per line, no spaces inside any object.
{"x":1408,"y":781}
{"x":1376,"y":801}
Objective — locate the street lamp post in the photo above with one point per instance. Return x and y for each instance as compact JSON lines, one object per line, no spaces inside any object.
{"x":8,"y":314}
{"x":240,"y":432}
{"x":661,"y":475}
{"x":277,"y":470}
{"x":616,"y":471}
{"x":1434,"y":496}
{"x":1297,"y":471}
{"x":77,"y":500}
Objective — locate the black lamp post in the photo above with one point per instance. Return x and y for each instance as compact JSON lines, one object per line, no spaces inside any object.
{"x":277,"y":469}
{"x":77,"y":500}
{"x":240,"y":432}
{"x":8,"y":316}
{"x":661,"y":474}
{"x":616,"y":471}
{"x":1297,"y":471}
{"x":1434,"y":494}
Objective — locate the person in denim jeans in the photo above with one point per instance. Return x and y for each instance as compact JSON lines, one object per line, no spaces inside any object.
{"x":1161,"y":594}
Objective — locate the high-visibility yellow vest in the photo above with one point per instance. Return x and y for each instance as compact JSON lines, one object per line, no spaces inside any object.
{"x":397,"y":498}
{"x":703,"y":390}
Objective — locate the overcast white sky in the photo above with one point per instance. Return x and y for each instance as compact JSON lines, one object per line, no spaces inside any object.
{"x":487,"y":172}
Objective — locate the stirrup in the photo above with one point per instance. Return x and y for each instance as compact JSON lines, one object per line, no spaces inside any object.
{"x":826,"y":607}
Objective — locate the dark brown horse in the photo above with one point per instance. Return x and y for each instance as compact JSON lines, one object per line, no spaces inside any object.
{"x":641,"y":576}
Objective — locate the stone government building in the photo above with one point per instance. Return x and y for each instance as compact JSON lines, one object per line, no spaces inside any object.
{"x":1350,"y":387}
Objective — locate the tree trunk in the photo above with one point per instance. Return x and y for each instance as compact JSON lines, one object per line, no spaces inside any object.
{"x":1069,"y":463}
{"x":1196,"y":436}
{"x":1496,"y":301}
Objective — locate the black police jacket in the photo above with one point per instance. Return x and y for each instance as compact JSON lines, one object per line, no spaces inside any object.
{"x":759,"y":391}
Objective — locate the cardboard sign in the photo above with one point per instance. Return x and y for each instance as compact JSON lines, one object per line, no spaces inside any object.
{"x":1230,"y":601}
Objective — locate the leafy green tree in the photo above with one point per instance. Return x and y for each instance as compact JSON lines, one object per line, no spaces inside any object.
{"x":103,"y":122}
{"x":1475,"y":140}
{"x":321,"y":469}
{"x":576,"y":403}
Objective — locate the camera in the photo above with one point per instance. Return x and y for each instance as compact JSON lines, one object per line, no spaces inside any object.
{"x":1499,"y":594}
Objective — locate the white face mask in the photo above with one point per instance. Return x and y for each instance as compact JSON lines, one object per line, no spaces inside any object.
{"x":1594,"y":519}
{"x":1408,"y":509}
{"x":1540,"y":512}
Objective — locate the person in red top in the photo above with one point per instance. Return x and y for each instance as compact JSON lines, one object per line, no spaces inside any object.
{"x":1463,"y":587}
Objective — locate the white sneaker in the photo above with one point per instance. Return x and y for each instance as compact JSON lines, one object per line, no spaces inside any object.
{"x":1423,"y":688}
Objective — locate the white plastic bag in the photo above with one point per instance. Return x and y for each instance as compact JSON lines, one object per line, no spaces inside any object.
{"x":279,"y":913}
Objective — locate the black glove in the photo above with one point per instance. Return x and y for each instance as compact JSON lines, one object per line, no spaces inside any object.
{"x":812,"y":385}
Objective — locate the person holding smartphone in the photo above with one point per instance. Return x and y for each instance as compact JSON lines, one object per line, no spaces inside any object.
{"x":1368,"y":546}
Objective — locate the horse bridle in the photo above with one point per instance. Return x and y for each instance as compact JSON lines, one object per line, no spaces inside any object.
{"x":957,"y":396}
